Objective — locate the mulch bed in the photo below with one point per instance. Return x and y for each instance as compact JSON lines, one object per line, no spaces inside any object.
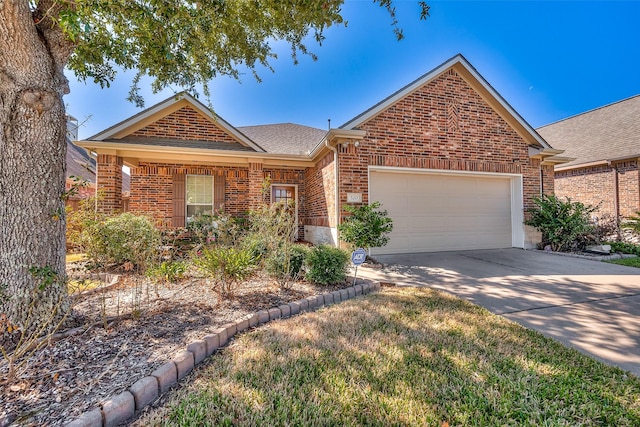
{"x":121,"y":335}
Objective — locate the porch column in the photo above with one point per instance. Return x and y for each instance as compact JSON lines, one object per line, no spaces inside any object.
{"x":109,"y":183}
{"x":256,"y":177}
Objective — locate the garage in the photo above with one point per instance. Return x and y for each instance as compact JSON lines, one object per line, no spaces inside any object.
{"x":446,"y":211}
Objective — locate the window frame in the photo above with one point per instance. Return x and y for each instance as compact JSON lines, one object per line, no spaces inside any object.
{"x":188,"y":219}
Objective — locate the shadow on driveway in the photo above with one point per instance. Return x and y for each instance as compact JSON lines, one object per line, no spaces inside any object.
{"x":592,"y":306}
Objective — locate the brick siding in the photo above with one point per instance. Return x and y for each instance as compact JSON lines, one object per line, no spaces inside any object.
{"x":152,"y":187}
{"x":109,"y":182}
{"x":319,"y":187}
{"x":445,"y":125}
{"x":596,"y":186}
{"x":185,"y":124}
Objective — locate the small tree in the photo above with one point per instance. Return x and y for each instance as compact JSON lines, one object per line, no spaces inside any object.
{"x":562,"y":223}
{"x":367,"y":227}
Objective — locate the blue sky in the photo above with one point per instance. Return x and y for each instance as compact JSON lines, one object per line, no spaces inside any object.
{"x":549,"y":60}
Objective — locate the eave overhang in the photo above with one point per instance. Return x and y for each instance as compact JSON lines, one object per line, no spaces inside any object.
{"x":133,"y":154}
{"x":548,"y":156}
{"x":608,"y":162}
{"x":335,"y":137}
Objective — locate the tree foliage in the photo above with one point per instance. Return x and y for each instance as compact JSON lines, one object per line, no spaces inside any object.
{"x":181,"y":44}
{"x":188,"y":43}
{"x":367,"y":227}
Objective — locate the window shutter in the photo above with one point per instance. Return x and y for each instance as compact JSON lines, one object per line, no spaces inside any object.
{"x":218,"y":192}
{"x":179,"y":190}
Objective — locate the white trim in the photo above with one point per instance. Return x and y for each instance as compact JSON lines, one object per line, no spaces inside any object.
{"x":131,"y":121}
{"x":517,"y":192}
{"x":186,"y":187}
{"x":440,"y":171}
{"x":458,"y":59}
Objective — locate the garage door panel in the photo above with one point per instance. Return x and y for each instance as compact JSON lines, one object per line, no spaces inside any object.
{"x":444,"y":212}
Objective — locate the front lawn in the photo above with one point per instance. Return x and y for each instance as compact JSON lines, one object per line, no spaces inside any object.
{"x":404,"y":356}
{"x":630,"y":262}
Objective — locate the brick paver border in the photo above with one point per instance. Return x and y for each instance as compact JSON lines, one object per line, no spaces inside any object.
{"x":124,"y":406}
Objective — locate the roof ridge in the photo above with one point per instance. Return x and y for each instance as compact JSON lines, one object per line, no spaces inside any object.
{"x":591,"y":111}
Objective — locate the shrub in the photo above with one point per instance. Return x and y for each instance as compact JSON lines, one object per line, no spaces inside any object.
{"x":562,"y":223}
{"x":633,"y":223}
{"x":226,"y":266}
{"x":285,"y":265}
{"x":606,"y":227}
{"x":81,"y":218}
{"x":273,"y":224}
{"x":326,"y":265}
{"x":367,"y":226}
{"x":126,"y":238}
{"x":220,"y":229}
{"x":168,"y":271}
{"x":625,"y":248}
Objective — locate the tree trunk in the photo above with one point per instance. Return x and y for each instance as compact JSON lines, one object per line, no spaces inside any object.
{"x":32,"y":166}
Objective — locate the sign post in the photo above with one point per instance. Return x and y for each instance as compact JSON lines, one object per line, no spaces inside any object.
{"x":357,"y":258}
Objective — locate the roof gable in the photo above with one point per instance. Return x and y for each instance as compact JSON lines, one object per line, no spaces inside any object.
{"x":466,"y":71}
{"x":611,"y":132}
{"x":181,"y":117}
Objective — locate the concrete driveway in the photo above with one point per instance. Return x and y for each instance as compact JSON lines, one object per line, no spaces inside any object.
{"x":589,"y":305}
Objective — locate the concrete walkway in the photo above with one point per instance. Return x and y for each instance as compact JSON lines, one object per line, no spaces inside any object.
{"x":589,"y":305}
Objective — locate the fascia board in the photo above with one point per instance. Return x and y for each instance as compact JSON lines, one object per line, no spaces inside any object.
{"x":196,"y":154}
{"x":457,"y":60}
{"x":117,"y":129}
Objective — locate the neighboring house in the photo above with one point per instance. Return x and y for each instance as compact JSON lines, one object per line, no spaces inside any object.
{"x":80,"y":166}
{"x":605,"y":143}
{"x":447,"y":156}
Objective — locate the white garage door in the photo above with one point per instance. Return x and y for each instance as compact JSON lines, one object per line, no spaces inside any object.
{"x":433,"y":212}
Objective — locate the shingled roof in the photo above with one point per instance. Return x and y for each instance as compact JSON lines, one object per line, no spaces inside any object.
{"x":284,"y":138}
{"x":611,"y":132}
{"x":79,"y":163}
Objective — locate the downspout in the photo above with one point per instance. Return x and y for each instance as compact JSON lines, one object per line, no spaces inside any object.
{"x":337,"y":189}
{"x":616,"y":190}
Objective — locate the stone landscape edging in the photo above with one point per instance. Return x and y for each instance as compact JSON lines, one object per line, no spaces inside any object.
{"x":146,"y":390}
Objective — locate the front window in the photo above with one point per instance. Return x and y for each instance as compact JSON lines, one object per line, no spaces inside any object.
{"x":199,"y":196}
{"x":281,"y":193}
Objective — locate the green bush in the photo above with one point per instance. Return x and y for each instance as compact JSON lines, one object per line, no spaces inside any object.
{"x":168,"y":271}
{"x":625,"y":248}
{"x":286,"y":264}
{"x":81,"y":218}
{"x":226,"y":266}
{"x":367,"y":226}
{"x":326,"y":265}
{"x":122,"y":239}
{"x":563,"y":223}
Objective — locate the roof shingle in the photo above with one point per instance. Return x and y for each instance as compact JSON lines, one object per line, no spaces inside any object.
{"x":606,"y":133}
{"x":284,"y":138}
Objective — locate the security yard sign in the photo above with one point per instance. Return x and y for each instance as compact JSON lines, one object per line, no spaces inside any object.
{"x":357,"y":258}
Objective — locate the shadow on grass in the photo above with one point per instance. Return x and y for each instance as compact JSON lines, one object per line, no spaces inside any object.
{"x":401,"y":357}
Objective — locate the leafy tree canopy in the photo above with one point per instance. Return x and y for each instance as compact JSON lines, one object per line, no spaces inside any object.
{"x":188,"y":43}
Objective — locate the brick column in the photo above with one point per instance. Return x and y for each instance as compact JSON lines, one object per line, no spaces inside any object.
{"x":256,"y":177}
{"x":109,"y":182}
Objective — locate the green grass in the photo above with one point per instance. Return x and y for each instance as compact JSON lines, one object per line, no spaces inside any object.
{"x":630,"y":262}
{"x":410,"y":357}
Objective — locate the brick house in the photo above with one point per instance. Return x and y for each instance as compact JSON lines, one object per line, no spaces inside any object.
{"x":605,"y":143}
{"x":447,"y":156}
